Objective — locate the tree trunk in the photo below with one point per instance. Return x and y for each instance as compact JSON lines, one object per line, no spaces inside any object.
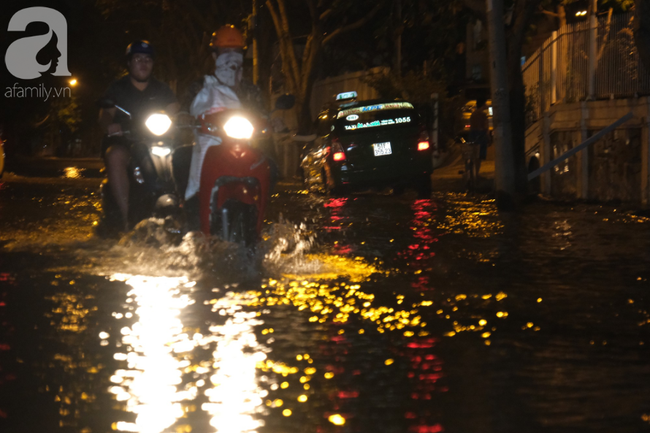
{"x":505,"y":187}
{"x":524,"y":12}
{"x":310,"y":58}
{"x":304,"y":114}
{"x":642,"y":30}
{"x":522,"y":17}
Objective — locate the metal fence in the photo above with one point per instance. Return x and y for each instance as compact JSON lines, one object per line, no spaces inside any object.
{"x":560,"y":71}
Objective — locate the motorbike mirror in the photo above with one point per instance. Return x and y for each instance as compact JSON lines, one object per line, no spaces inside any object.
{"x":106,"y":103}
{"x":285,"y":102}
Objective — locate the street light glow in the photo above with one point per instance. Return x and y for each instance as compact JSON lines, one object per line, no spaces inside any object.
{"x":73,"y":82}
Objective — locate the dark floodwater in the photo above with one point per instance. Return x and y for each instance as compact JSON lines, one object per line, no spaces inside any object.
{"x":366,"y":314}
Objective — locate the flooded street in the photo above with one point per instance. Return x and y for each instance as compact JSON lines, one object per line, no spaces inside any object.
{"x":363,"y":314}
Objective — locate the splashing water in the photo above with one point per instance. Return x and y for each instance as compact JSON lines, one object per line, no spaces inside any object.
{"x":156,"y":245}
{"x":286,"y":245}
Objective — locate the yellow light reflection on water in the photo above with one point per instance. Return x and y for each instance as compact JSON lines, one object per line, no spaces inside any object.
{"x":331,"y":267}
{"x":336,"y":302}
{"x":475,"y":219}
{"x":72,"y":172}
{"x":336,"y":419}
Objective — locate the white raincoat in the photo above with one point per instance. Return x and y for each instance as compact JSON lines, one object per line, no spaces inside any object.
{"x":212,"y":98}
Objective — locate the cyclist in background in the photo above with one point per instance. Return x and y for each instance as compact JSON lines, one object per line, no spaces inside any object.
{"x":479,"y":134}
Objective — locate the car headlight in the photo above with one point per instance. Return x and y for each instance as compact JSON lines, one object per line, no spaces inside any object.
{"x":239,"y":128}
{"x":158,"y":123}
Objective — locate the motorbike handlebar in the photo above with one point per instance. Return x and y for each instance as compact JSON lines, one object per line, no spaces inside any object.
{"x":121,"y":133}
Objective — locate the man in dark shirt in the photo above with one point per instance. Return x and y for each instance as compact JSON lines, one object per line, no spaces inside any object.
{"x":139,"y":94}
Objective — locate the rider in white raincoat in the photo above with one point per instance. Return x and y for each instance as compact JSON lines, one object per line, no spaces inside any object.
{"x":222,"y":91}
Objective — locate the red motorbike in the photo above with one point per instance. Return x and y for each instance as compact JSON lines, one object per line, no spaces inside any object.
{"x":235,"y":177}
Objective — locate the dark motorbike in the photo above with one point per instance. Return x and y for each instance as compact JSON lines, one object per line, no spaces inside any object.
{"x":152,"y":189}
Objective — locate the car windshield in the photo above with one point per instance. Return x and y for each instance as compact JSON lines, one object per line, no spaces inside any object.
{"x":391,"y":114}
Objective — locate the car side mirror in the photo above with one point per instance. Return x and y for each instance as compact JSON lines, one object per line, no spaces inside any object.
{"x":285,"y":102}
{"x":106,"y":103}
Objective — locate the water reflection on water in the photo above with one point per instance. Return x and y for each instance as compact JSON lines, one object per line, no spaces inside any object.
{"x":155,"y":351}
{"x":235,"y":396}
{"x":165,"y":379}
{"x":267,"y":360}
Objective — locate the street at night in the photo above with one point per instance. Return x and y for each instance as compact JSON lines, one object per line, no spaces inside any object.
{"x":325,"y":216}
{"x":370,"y":313}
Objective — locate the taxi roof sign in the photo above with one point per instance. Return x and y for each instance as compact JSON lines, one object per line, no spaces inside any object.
{"x":345,"y":96}
{"x":377,"y":107}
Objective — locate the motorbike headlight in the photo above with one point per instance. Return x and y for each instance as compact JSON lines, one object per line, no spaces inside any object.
{"x":158,"y":123}
{"x":239,"y":128}
{"x":161,"y":151}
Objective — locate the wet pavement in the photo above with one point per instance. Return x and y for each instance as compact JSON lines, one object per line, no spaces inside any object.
{"x":363,"y":314}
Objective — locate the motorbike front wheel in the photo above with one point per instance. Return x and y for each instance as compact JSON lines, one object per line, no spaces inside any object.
{"x":236,"y":222}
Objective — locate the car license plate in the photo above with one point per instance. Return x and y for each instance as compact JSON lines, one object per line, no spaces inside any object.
{"x":382,"y":148}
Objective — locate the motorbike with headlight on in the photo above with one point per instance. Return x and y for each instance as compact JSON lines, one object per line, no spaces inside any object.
{"x":152,"y":189}
{"x":236,"y":178}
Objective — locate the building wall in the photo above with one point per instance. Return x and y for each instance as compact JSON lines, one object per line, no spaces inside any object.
{"x":616,"y":167}
{"x":564,"y":180}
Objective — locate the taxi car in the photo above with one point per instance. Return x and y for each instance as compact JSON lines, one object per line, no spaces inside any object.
{"x":363,"y":144}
